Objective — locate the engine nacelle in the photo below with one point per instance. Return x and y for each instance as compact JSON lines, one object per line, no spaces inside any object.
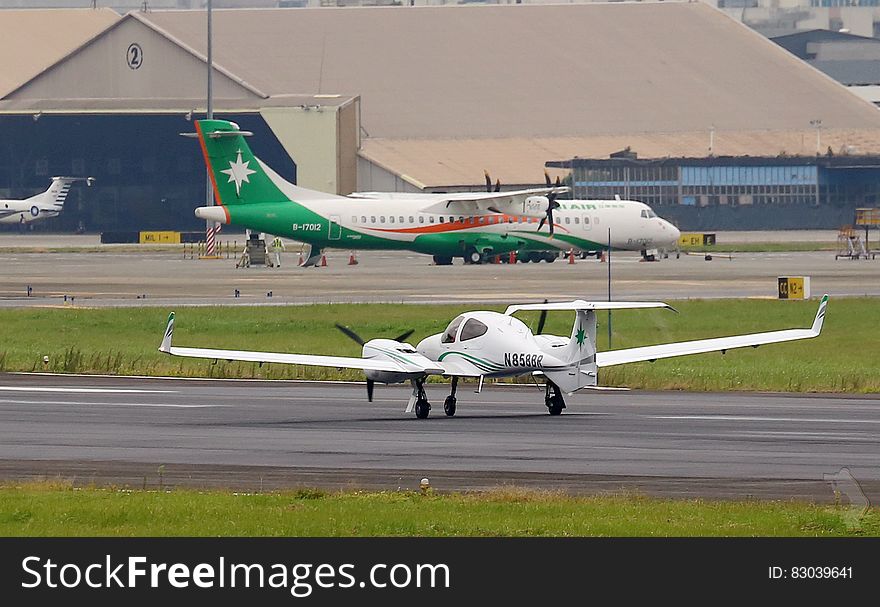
{"x":536,"y":206}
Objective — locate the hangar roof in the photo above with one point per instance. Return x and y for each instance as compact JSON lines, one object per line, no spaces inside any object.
{"x":441,"y":163}
{"x":528,"y":70}
{"x":32,"y":40}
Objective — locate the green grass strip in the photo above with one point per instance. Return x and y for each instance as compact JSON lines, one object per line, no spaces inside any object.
{"x":56,"y":510}
{"x":125,"y":341}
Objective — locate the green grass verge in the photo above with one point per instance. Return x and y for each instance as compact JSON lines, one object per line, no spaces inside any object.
{"x":125,"y":341}
{"x":54,"y":510}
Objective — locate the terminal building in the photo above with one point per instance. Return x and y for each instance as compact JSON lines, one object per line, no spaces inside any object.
{"x":339,"y":105}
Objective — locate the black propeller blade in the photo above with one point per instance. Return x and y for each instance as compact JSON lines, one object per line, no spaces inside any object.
{"x":351,"y":334}
{"x":552,"y":204}
{"x":489,"y":188}
{"x":402,"y":337}
{"x":541,"y":320}
{"x":370,"y":385}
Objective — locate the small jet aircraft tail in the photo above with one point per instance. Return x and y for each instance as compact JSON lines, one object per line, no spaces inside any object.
{"x":50,"y":202}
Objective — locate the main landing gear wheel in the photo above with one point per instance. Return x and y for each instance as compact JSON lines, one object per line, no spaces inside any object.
{"x":554,"y":401}
{"x":474,"y":257}
{"x":449,"y":406}
{"x":423,"y":407}
{"x":449,"y":403}
{"x":442,"y":260}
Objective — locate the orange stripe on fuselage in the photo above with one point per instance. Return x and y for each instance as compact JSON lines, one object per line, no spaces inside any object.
{"x":211,"y":170}
{"x":456,"y":226}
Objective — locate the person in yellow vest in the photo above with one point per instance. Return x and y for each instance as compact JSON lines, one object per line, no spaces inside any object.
{"x":277,"y":246}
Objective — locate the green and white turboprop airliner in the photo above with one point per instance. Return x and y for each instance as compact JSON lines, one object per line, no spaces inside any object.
{"x":471,"y":225}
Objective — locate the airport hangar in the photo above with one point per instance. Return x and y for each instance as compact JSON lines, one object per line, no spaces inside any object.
{"x":718,"y":126}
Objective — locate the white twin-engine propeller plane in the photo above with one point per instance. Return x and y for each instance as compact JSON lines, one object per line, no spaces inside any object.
{"x":490,"y":344}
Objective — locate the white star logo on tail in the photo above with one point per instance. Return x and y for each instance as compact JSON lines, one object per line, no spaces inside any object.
{"x":238,"y":172}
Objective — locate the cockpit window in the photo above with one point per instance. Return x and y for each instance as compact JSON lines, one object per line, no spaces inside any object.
{"x":451,"y":330}
{"x":648,"y":214}
{"x":644,"y":214}
{"x":472,"y":328}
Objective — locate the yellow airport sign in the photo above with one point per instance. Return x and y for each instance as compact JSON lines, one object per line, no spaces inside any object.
{"x":164,"y":237}
{"x":696,"y":239}
{"x":793,"y":287}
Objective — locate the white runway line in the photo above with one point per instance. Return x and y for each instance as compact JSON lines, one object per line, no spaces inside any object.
{"x":84,"y":390}
{"x":744,"y":418}
{"x":99,"y":404}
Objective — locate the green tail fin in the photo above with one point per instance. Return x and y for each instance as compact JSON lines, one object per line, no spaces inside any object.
{"x":237,"y":175}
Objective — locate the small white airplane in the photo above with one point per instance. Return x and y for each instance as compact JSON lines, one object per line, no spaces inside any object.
{"x":490,"y":344}
{"x":40,"y":206}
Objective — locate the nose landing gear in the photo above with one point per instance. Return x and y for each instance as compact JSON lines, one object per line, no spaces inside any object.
{"x":449,"y":403}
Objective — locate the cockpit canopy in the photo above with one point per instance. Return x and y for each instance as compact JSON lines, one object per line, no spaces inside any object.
{"x":648,"y":213}
{"x":472,"y":329}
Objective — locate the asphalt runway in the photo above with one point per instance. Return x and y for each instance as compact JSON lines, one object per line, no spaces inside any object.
{"x":166,"y":278}
{"x":258,"y":435}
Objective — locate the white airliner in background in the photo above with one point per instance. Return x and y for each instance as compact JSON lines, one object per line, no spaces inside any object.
{"x":40,"y":206}
{"x":472,"y":225}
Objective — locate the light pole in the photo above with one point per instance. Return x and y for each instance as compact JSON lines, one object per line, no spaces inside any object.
{"x":210,"y":228}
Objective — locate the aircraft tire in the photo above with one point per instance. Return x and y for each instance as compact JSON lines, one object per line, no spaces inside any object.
{"x":449,"y":406}
{"x":442,"y":260}
{"x":555,"y":405}
{"x":423,"y":407}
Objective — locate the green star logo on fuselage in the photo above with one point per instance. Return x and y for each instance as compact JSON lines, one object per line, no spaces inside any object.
{"x":580,"y":336}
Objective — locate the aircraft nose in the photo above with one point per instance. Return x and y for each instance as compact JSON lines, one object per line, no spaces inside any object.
{"x":669,"y":232}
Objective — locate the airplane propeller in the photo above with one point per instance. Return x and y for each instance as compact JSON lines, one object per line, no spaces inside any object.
{"x":541,"y":320}
{"x":489,"y":183}
{"x":551,"y":199}
{"x":360,"y":341}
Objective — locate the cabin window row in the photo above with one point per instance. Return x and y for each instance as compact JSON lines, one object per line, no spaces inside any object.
{"x":422,"y":219}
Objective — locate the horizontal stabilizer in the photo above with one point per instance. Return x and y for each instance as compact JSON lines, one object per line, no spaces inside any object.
{"x":580,"y":304}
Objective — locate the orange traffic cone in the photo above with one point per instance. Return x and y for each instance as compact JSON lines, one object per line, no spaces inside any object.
{"x":323,"y":261}
{"x":351,"y":260}
{"x":512,"y":258}
{"x":571,"y":256}
{"x":496,"y":259}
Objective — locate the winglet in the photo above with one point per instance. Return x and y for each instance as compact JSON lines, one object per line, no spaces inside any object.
{"x":169,"y":330}
{"x":820,"y":315}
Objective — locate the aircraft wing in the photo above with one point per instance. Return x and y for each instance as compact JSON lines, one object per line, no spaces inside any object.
{"x":366,"y":364}
{"x":513,"y":202}
{"x":291,"y":359}
{"x":700,"y":346}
